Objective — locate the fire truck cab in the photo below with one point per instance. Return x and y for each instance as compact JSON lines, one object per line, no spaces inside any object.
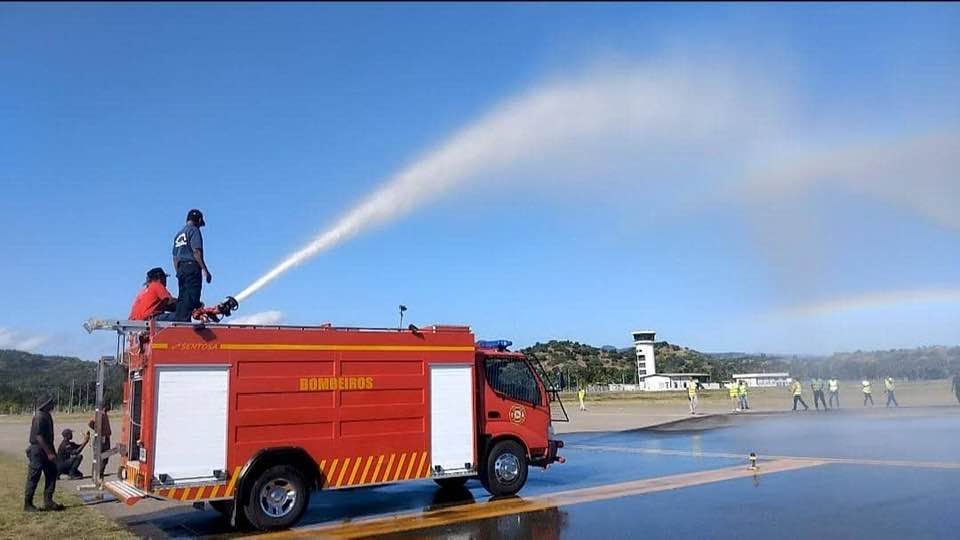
{"x":253,"y":418}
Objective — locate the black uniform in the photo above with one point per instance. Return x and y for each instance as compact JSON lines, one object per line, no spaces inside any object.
{"x":39,"y":462}
{"x":69,"y":459}
{"x":189,"y":274}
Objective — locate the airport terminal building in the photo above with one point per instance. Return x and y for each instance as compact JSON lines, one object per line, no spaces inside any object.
{"x":762,"y":380}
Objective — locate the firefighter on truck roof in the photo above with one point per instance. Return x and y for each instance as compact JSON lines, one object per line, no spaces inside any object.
{"x":154,"y":301}
{"x":189,"y":264}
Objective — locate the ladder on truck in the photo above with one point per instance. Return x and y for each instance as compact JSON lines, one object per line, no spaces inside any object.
{"x":94,"y":493}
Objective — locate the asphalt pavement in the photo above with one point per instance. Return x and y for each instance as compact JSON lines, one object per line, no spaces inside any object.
{"x":881,"y":474}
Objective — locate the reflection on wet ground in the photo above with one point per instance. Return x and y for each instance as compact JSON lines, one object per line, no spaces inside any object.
{"x":825,"y":500}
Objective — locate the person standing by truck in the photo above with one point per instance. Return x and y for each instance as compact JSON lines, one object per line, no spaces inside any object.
{"x":105,"y":433}
{"x":890,"y":389}
{"x":798,"y":395}
{"x":742,"y":394}
{"x":734,"y":390}
{"x":833,"y":385}
{"x":867,"y":392}
{"x":817,"y":385}
{"x":190,"y":265}
{"x":42,"y":458}
{"x":692,"y":396}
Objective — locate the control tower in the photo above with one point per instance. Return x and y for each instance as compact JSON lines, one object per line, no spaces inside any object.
{"x":646,"y":363}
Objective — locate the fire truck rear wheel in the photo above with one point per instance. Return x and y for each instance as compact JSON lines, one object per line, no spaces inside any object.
{"x":278,"y":499}
{"x":505,"y":470}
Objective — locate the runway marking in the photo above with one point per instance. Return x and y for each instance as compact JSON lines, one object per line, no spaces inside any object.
{"x":469,"y":512}
{"x":845,"y":461}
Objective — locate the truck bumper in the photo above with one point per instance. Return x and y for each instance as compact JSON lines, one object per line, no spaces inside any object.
{"x":552,"y":455}
{"x":130,"y":495}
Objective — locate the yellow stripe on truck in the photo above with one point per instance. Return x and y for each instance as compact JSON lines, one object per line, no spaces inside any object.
{"x":376,"y":470}
{"x":396,"y":475}
{"x":413,"y":457}
{"x":343,"y":470}
{"x":333,"y":468}
{"x":233,"y":482}
{"x":386,"y":474}
{"x":353,"y":473}
{"x":420,"y":472}
{"x":366,"y":468}
{"x":315,"y":347}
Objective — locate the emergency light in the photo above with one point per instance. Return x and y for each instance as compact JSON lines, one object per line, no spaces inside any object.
{"x":498,"y":344}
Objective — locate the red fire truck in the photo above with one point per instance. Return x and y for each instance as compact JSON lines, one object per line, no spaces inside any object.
{"x":253,"y":418}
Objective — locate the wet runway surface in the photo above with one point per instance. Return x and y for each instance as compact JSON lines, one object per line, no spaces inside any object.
{"x":898,"y":475}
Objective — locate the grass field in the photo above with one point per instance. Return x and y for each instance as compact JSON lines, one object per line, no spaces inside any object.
{"x":77,"y":521}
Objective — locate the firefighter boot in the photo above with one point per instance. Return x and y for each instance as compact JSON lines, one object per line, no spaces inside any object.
{"x":49,"y":505}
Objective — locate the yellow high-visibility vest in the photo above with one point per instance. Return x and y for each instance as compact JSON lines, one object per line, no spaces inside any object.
{"x":889,"y":383}
{"x":797,"y":388}
{"x":733,"y":390}
{"x":866,"y":387}
{"x":834,"y":385}
{"x":692,"y":390}
{"x":742,"y":389}
{"x":580,"y":394}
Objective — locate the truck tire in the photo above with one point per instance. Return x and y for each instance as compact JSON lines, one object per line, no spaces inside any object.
{"x":505,"y":470}
{"x":278,"y":498}
{"x":456,"y":482}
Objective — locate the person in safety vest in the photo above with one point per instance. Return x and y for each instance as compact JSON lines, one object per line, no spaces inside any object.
{"x":742,"y":394}
{"x":816,"y":384}
{"x":581,"y":393}
{"x":834,"y":386}
{"x":867,"y":393}
{"x":798,"y":395}
{"x":735,"y":395}
{"x":890,"y":389}
{"x":692,"y":396}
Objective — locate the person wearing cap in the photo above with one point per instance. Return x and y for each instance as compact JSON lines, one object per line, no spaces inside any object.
{"x":69,"y":455}
{"x":41,"y":458}
{"x":154,"y":300}
{"x":190,"y":266}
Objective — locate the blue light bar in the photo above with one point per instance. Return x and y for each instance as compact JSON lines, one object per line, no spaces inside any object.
{"x":499,"y":344}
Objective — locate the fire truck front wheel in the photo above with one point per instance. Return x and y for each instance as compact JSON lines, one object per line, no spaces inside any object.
{"x":278,"y":499}
{"x":505,"y":470}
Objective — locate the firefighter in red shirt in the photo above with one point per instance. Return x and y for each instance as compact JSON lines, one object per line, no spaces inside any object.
{"x":154,"y":300}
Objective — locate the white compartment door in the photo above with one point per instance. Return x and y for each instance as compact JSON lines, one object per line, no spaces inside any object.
{"x":191,"y":432}
{"x":451,"y":417}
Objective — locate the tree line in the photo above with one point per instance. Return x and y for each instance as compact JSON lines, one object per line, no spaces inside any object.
{"x":71,"y":381}
{"x":570,"y":363}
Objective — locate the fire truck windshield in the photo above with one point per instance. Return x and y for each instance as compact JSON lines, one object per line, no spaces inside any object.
{"x":513,"y":378}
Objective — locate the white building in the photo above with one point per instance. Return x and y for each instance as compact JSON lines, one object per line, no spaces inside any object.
{"x":664,"y":382}
{"x":643,"y":343}
{"x":764,"y":379}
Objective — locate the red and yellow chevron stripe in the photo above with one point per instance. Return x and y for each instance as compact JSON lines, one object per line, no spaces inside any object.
{"x":376,"y":469}
{"x":335,"y":473}
{"x":203,"y":492}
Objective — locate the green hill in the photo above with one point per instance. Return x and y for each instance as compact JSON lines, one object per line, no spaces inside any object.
{"x":582,"y":363}
{"x":72,"y":381}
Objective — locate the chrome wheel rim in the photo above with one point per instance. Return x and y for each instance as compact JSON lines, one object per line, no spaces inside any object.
{"x":507,"y":468}
{"x":277,"y":498}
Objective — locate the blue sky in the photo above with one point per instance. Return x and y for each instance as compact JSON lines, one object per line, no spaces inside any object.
{"x":811,"y":214}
